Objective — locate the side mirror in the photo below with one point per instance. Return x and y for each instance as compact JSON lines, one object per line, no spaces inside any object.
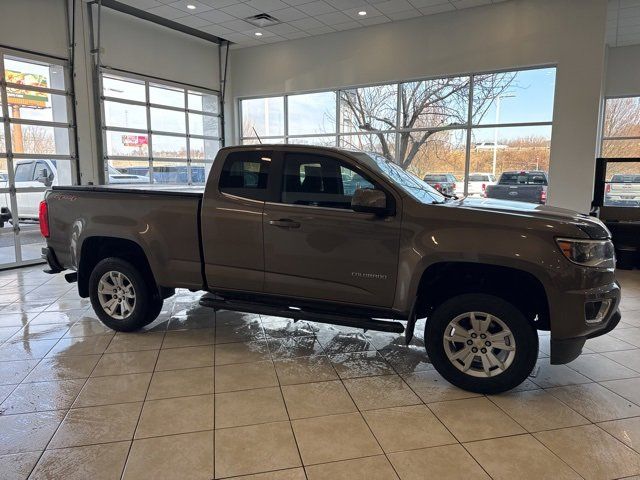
{"x":368,"y":200}
{"x":44,"y":177}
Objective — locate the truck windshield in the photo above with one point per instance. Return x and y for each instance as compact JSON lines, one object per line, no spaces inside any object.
{"x":409,"y":183}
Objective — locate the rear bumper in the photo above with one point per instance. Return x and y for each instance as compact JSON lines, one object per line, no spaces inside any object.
{"x":49,"y":255}
{"x":566,"y":348}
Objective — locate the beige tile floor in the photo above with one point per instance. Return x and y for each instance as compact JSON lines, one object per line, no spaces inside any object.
{"x":200,"y":395}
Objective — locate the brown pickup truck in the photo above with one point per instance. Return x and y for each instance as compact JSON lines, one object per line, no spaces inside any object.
{"x":349,"y":238}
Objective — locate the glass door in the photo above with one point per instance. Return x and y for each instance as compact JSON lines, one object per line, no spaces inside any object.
{"x":36,"y":149}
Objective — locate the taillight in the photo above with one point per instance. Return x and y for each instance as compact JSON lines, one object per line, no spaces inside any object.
{"x":484,"y":187}
{"x":43,"y":217}
{"x":543,"y":196}
{"x":607,"y":188}
{"x":438,"y":187}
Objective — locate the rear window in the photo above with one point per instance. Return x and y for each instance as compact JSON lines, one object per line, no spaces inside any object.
{"x":245,"y":174}
{"x":625,"y":179}
{"x":435,"y":178}
{"x":519,"y":178}
{"x":478,"y":178}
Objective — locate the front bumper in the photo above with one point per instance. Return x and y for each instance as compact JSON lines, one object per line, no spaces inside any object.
{"x":566,"y":348}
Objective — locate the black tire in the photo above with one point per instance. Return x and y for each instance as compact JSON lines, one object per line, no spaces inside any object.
{"x":148,"y":301}
{"x":524,"y":333}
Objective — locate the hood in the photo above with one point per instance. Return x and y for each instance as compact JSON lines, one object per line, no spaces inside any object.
{"x":593,"y":227}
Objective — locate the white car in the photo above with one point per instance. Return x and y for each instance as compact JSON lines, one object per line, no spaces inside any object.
{"x":478,"y":183}
{"x":39,"y":174}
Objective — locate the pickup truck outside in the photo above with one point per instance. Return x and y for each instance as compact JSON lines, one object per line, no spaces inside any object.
{"x":477,"y":185}
{"x":443,"y":182}
{"x":623,"y":191}
{"x":520,"y":187}
{"x":349,"y":238}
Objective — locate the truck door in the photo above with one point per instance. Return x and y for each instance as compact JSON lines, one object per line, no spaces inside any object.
{"x":317,"y":247}
{"x":232,"y":236}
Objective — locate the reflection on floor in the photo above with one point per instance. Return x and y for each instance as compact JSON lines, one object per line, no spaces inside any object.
{"x":199,"y":395}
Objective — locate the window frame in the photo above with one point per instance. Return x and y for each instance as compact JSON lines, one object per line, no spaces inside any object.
{"x":468,"y":127}
{"x":188,"y":137}
{"x":606,"y":138}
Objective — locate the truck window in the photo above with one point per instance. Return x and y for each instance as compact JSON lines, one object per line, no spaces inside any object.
{"x":245,"y":174}
{"x":40,"y":167}
{"x":24,"y":172}
{"x":320,"y":181}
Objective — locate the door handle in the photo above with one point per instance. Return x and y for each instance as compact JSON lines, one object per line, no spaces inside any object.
{"x":284,"y":223}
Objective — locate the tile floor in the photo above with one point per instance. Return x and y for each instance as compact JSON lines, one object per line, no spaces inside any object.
{"x":201,"y":396}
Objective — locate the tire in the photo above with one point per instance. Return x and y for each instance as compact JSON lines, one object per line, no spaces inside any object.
{"x":483,"y":370}
{"x":137,"y":302}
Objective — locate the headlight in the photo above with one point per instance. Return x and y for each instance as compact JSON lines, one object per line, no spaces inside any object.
{"x":588,"y":253}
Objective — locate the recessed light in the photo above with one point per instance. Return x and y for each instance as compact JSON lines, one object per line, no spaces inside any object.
{"x":191,"y":7}
{"x":258,"y":34}
{"x":362,"y":13}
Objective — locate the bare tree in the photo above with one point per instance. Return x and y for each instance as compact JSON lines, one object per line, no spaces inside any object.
{"x":36,"y":140}
{"x":622,"y":119}
{"x":427,"y":105}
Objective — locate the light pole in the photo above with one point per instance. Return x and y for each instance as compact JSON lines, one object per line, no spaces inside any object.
{"x":495,"y":130}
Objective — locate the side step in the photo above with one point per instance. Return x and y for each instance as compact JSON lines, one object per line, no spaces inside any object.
{"x":300,"y":314}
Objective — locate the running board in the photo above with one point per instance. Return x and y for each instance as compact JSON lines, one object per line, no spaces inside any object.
{"x":300,"y":314}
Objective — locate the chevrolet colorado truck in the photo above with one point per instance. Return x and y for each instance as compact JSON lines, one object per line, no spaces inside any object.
{"x":348,"y":238}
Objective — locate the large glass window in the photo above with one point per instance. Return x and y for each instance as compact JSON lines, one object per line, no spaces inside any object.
{"x":36,"y":145}
{"x":621,"y":128}
{"x":158,"y":133}
{"x":480,"y":124}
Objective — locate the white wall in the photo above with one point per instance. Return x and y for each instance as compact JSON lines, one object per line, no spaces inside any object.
{"x":517,"y":33}
{"x":38,"y":25}
{"x":623,"y":71}
{"x":146,"y":48}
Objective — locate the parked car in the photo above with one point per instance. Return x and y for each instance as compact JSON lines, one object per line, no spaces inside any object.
{"x":170,"y":174}
{"x":522,"y":186}
{"x":276,"y":232}
{"x":478,"y":183}
{"x":623,"y":191}
{"x":444,"y":183}
{"x":490,"y":146}
{"x":117,"y":175}
{"x":36,"y":174}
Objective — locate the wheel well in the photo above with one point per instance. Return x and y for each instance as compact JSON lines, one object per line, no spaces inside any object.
{"x":95,"y":249}
{"x":445,"y":280}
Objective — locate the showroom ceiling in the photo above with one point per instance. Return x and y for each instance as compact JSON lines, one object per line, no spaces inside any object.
{"x":305,"y":18}
{"x":623,"y":23}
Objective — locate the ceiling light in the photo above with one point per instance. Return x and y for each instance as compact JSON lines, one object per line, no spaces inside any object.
{"x":362,"y":13}
{"x":258,"y":34}
{"x":191,"y":7}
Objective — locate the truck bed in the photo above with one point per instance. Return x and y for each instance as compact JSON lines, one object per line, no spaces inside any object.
{"x":197,"y":191}
{"x":164,"y":222}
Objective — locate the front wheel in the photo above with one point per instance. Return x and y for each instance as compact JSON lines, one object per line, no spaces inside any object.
{"x":481,"y":343}
{"x":121,"y":296}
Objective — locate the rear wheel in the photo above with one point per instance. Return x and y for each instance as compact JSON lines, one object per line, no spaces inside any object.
{"x":121,"y":295}
{"x":481,"y":343}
